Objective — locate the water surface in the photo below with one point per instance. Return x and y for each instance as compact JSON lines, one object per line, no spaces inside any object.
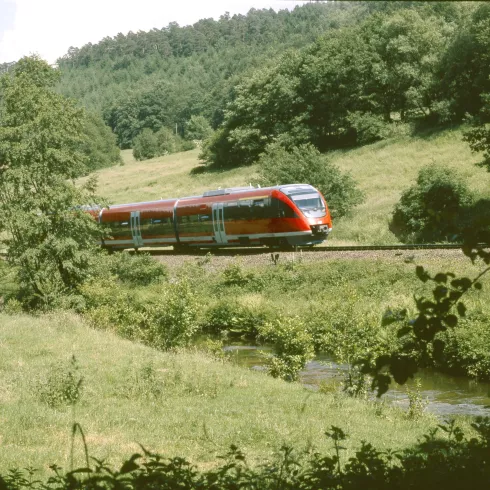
{"x":446,"y":395}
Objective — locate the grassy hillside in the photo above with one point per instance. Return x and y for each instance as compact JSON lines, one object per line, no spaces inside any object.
{"x":383,"y":170}
{"x":177,"y":404}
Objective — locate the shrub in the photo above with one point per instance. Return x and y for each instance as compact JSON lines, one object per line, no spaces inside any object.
{"x":479,"y":137}
{"x":145,"y":145}
{"x":231,"y":317}
{"x":235,"y":275}
{"x":432,"y":209}
{"x":62,"y":386}
{"x":138,"y":270}
{"x":368,"y":127}
{"x":467,"y":348}
{"x":198,"y":128}
{"x":306,"y":165}
{"x":166,"y":320}
{"x":293,"y":346}
{"x":168,"y":141}
{"x":149,"y":144}
{"x":172,"y":320}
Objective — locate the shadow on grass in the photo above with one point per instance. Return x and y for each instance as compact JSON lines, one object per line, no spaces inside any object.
{"x":426,"y":129}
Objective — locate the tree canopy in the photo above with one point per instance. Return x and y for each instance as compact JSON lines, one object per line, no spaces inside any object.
{"x":49,"y":237}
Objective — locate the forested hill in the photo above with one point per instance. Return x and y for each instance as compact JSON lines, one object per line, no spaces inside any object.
{"x":192,"y":69}
{"x":331,"y":74}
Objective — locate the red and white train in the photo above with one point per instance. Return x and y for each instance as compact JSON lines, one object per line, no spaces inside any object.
{"x":286,"y":215}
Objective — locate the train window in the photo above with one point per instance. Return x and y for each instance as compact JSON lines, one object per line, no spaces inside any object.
{"x":259,"y":209}
{"x":158,"y":226}
{"x":280,"y":209}
{"x":245,"y":209}
{"x":232,"y":211}
{"x":195,"y":223}
{"x":120,"y":229}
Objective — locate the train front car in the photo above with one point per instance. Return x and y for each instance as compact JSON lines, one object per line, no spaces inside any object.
{"x":312,"y":212}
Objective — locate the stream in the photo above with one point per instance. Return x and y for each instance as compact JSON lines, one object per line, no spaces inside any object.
{"x":446,"y":395}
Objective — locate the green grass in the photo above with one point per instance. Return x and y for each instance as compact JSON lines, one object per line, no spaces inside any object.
{"x":383,"y":170}
{"x":186,"y":404}
{"x":175,"y":175}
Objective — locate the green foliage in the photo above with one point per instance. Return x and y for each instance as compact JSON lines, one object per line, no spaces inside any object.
{"x":99,"y":143}
{"x":233,"y":318}
{"x":149,"y":144}
{"x":305,"y":164}
{"x":416,"y":404}
{"x":198,"y":128}
{"x":292,"y":344}
{"x":165,"y":76}
{"x":420,"y":339}
{"x":432,"y":210}
{"x":168,"y":141}
{"x":368,"y":127}
{"x":50,"y":238}
{"x":347,"y":88}
{"x":465,"y":68}
{"x":479,"y":137}
{"x":172,"y":320}
{"x":145,"y":145}
{"x":62,"y":386}
{"x":165,"y":320}
{"x":446,"y":458}
{"x":136,"y":270}
{"x":235,"y":275}
{"x":467,"y":348}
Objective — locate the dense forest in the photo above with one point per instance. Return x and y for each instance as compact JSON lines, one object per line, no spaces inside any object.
{"x":331,"y":74}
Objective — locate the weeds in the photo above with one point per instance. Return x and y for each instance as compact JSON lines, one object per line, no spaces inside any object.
{"x":416,"y":404}
{"x":62,"y":386}
{"x":451,"y":462}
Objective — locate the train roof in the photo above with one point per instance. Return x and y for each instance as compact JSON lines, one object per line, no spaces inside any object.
{"x":289,"y":189}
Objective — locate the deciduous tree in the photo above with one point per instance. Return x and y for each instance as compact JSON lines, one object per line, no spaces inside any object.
{"x":49,"y":237}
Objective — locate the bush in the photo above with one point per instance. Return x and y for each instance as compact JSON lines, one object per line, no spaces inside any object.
{"x":149,"y":144}
{"x":368,"y":127}
{"x":145,"y":145}
{"x":479,"y":137}
{"x":432,"y":209}
{"x":467,"y":348}
{"x":168,"y":141}
{"x":137,"y":270}
{"x":231,"y":317}
{"x":172,"y":320}
{"x":198,"y":128}
{"x":293,"y":347}
{"x":166,"y":320}
{"x":235,"y":275}
{"x":306,"y":165}
{"x":63,"y":385}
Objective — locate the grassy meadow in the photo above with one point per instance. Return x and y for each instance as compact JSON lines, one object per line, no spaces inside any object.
{"x":174,"y":403}
{"x":383,"y":171}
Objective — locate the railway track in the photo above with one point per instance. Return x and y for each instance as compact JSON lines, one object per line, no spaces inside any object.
{"x":325,"y":248}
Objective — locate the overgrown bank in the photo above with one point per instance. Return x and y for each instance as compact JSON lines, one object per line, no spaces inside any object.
{"x":335,"y":307}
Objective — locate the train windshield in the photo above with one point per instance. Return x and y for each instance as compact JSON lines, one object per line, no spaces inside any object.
{"x":311,"y":204}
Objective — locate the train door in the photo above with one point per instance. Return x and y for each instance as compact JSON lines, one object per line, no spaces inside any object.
{"x":135,"y":229}
{"x":219,"y":223}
